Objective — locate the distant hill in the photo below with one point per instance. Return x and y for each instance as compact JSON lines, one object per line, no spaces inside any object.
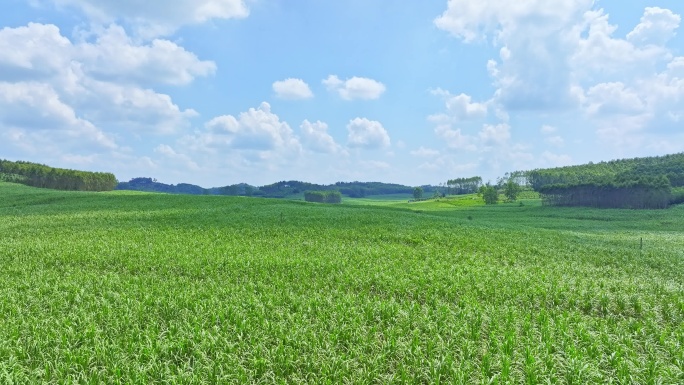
{"x":151,"y":185}
{"x":283,"y":189}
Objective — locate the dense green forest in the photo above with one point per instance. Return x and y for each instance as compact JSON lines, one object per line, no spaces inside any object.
{"x":625,"y":183}
{"x":39,"y":175}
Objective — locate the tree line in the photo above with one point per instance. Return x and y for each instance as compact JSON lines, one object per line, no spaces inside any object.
{"x":39,"y":175}
{"x":460,"y":186}
{"x":625,"y":183}
{"x":671,"y":166}
{"x":642,"y":193}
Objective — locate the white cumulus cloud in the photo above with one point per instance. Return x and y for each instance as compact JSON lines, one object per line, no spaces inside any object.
{"x":532,"y":71}
{"x":613,"y":98}
{"x":657,"y":26}
{"x":256,"y":129}
{"x":33,"y":52}
{"x":495,"y":134}
{"x":364,"y":133}
{"x":565,"y":57}
{"x":132,"y":108}
{"x":157,"y":17}
{"x":116,"y":56}
{"x":355,"y":87}
{"x":175,"y":159}
{"x":474,"y":20}
{"x":35,"y":119}
{"x":315,"y":136}
{"x":596,"y":51}
{"x":292,"y":89}
{"x":460,"y":107}
{"x":100,"y":81}
{"x":455,"y":138}
{"x":254,"y":145}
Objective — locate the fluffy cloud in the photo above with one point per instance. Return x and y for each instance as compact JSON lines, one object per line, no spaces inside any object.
{"x":157,"y":17}
{"x":498,"y":134}
{"x":34,"y":106}
{"x":315,"y":136}
{"x":613,"y":98}
{"x":34,"y":118}
{"x":664,"y":92}
{"x":657,"y":26}
{"x":39,"y":51}
{"x":547,"y":50}
{"x":642,"y":113}
{"x":33,"y":52}
{"x":292,"y":89}
{"x":364,"y":133}
{"x":132,"y":108}
{"x":98,"y":81}
{"x":115,"y":56}
{"x":455,"y":139}
{"x":489,"y":137}
{"x":532,"y":70}
{"x":641,"y":109}
{"x":256,"y":129}
{"x":82,"y":103}
{"x":354,"y":88}
{"x":596,"y":51}
{"x":460,"y":107}
{"x":472,"y":21}
{"x":564,"y":56}
{"x":254,"y":146}
{"x":175,"y":160}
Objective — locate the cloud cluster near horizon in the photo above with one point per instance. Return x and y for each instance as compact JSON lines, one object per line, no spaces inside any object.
{"x":126,"y":91}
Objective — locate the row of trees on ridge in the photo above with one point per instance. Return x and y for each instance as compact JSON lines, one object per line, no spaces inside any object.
{"x":459,"y":186}
{"x":39,"y":175}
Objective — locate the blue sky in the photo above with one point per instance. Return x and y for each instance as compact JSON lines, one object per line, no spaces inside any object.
{"x":216,"y":92}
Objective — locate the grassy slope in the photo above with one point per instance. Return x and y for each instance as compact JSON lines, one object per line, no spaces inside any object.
{"x":137,"y":288}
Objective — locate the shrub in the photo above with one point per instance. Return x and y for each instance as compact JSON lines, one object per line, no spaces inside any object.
{"x":677,"y":196}
{"x":323,"y":196}
{"x":490,"y":195}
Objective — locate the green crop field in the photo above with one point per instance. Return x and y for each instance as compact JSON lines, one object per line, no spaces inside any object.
{"x":138,"y":288}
